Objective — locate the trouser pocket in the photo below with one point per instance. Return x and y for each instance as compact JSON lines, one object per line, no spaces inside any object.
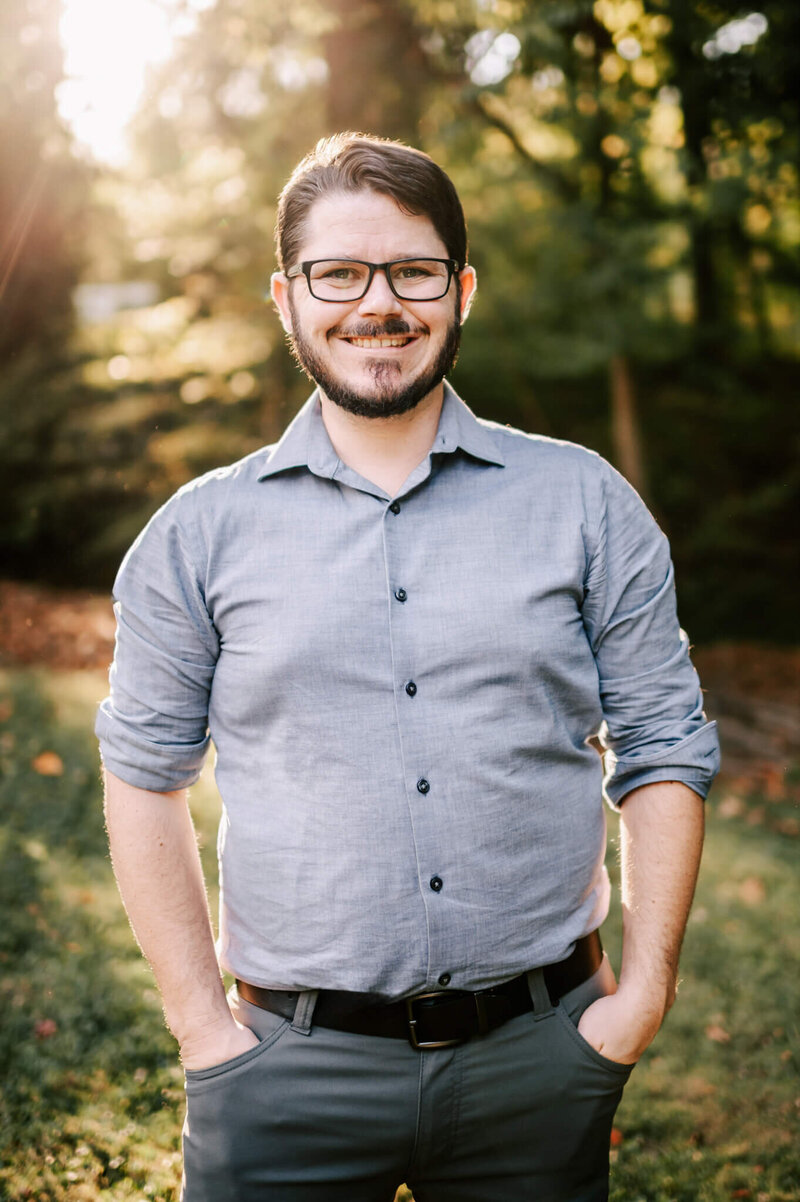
{"x":535,"y":1105}
{"x":570,"y":1009}
{"x":220,"y":1132}
{"x":586,"y":1089}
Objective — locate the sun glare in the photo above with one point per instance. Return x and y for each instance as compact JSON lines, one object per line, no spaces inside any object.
{"x":108,"y":47}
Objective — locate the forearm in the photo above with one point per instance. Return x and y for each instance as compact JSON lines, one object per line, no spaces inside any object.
{"x":661,"y":841}
{"x":661,"y":834}
{"x":158,"y":871}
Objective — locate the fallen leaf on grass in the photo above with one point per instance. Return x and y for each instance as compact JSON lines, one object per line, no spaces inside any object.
{"x":752,"y":891}
{"x":717,"y":1034}
{"x":730,"y":806}
{"x":699,"y":1087}
{"x":48,"y":763}
{"x":775,"y":783}
{"x":44,"y":1028}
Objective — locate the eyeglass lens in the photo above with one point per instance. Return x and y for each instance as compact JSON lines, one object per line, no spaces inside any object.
{"x":411,"y":279}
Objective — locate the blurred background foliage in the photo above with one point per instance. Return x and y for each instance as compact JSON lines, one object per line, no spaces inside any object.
{"x":629,"y":169}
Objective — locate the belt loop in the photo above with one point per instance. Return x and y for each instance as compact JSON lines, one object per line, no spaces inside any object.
{"x":304,"y":1011}
{"x":539,"y":995}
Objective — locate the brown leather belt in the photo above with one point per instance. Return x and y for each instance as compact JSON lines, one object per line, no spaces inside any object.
{"x":435,"y":1020}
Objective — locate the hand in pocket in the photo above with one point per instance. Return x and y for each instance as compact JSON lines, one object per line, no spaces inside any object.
{"x":207,"y":1048}
{"x":618,"y":1029}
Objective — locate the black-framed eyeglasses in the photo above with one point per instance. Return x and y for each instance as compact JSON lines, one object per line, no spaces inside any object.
{"x":350,"y":279}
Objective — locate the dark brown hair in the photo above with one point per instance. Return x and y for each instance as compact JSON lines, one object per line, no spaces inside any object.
{"x":350,"y":162}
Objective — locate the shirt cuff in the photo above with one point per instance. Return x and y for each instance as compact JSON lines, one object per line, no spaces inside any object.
{"x":694,"y":761}
{"x":159,"y":767}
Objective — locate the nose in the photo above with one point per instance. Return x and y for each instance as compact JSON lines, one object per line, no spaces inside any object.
{"x":379,"y":298}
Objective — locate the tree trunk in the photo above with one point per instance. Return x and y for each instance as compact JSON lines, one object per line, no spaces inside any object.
{"x":625,"y":435}
{"x":377,"y":69}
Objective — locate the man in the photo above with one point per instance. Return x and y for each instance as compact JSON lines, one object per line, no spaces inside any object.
{"x":400,"y":625}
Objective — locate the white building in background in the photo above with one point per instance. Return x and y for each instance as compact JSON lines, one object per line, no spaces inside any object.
{"x":100,"y":302}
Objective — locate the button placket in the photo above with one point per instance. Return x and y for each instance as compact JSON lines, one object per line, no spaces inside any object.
{"x":406,"y":657}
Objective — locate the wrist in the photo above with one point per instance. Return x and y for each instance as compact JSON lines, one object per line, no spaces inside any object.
{"x":204,"y":1032}
{"x":647,"y":994}
{"x":201,"y":1025}
{"x":214,"y":1043}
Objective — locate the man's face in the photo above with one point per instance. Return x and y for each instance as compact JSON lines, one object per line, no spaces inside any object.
{"x":335,"y":343}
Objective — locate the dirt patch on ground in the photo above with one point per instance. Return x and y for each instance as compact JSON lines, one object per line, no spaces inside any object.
{"x":53,"y":628}
{"x":753,"y":692}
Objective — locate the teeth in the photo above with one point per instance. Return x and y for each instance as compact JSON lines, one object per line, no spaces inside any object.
{"x":375,"y":343}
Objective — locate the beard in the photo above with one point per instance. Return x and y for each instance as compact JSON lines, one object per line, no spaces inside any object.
{"x":390,"y":395}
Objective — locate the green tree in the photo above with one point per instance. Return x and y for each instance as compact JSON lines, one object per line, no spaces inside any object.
{"x":202,"y":376}
{"x":42,"y":193}
{"x":630,"y":172}
{"x":631,"y":169}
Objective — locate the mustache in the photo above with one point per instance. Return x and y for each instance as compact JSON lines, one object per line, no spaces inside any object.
{"x":393,"y":327}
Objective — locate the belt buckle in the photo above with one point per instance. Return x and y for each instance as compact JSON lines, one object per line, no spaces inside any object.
{"x":425,"y":1045}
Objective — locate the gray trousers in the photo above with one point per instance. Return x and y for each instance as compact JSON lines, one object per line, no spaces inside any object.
{"x":314,"y":1115}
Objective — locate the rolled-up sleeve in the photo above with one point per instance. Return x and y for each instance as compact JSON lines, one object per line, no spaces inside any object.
{"x":654,"y":726}
{"x":153,"y":726}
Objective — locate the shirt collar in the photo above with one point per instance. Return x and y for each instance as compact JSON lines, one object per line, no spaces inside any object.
{"x":305,"y":442}
{"x":460,"y":428}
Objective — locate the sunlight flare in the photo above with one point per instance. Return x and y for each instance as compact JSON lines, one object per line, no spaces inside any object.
{"x":108,"y":50}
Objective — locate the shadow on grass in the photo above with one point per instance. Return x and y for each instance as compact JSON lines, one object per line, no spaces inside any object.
{"x":86,"y":1065}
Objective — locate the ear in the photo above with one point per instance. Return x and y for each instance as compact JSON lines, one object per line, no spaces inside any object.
{"x":279,"y":291}
{"x":469,"y":284}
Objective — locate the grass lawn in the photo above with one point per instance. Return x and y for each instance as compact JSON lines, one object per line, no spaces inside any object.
{"x":92,"y":1095}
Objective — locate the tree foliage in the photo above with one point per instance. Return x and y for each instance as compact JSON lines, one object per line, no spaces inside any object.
{"x":630,"y":173}
{"x":42,"y":193}
{"x":40,"y":186}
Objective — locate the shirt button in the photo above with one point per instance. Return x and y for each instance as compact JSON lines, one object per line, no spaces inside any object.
{"x":436,"y":883}
{"x":395,"y":507}
{"x":445,"y":979}
{"x":411,"y":688}
{"x":423,"y":785}
{"x":401,"y":594}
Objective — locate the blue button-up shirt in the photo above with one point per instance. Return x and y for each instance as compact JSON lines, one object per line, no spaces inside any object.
{"x":400,"y":692}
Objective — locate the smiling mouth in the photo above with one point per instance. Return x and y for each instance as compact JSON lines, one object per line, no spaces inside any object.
{"x":373,"y":344}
